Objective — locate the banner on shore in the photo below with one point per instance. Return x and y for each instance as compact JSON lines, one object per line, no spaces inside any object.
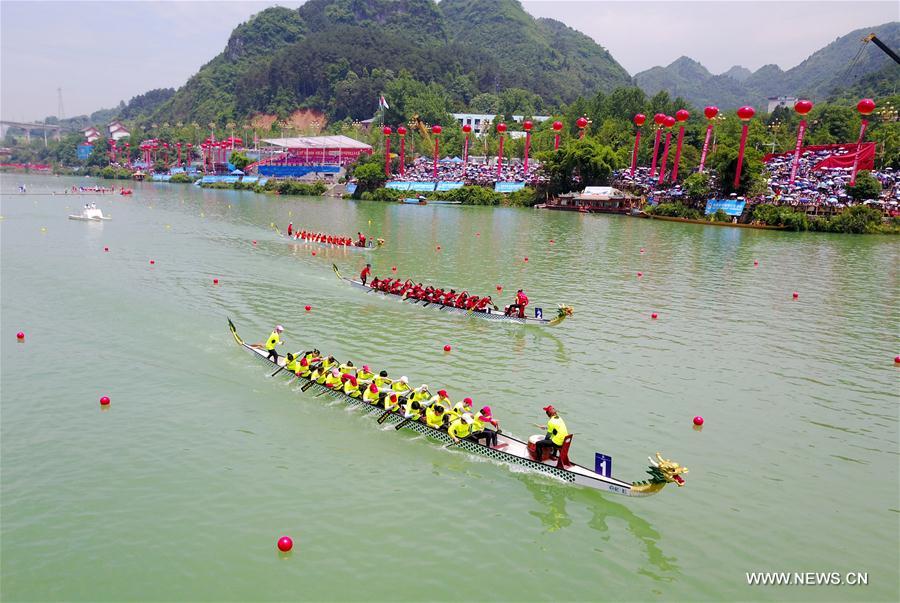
{"x":732,"y":208}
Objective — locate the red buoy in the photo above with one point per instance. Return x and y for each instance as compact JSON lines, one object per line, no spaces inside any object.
{"x":640,"y":274}
{"x":106,"y":249}
{"x":152,"y":262}
{"x":552,"y":241}
{"x":393,"y":269}
{"x":215,"y":281}
{"x":314,"y":253}
{"x":756,"y":262}
{"x":254,"y":242}
{"x":499,"y":288}
{"x":285,"y":544}
{"x":654,"y":316}
{"x":698,"y":420}
{"x":104,"y":401}
{"x":796,"y":295}
{"x":642,"y":250}
{"x":307,"y":308}
{"x":477,"y":234}
{"x":526,"y":259}
{"x":438,"y":247}
{"x":20,"y":336}
{"x":896,"y":358}
{"x":447,"y":348}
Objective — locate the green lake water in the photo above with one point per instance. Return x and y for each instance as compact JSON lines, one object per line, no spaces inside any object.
{"x":181,"y":488}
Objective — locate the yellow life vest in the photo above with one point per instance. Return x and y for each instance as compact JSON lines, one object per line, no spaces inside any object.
{"x":479,"y":423}
{"x":333,"y":381}
{"x":459,"y":428}
{"x":399,"y":386}
{"x":420,"y":396}
{"x":434,"y":419}
{"x":364,"y":376}
{"x":382,"y":381}
{"x":273,"y":340}
{"x":411,"y":412}
{"x":350,"y":389}
{"x":347,"y":370}
{"x":293,"y":365}
{"x":557,"y":431}
{"x":368,"y":396}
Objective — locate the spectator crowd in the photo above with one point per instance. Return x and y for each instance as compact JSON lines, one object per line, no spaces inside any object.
{"x":472,"y":173}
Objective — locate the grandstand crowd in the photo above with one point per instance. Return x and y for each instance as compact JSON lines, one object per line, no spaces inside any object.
{"x":473,"y":173}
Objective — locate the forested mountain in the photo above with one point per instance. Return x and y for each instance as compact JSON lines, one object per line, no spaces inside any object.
{"x":842,"y":64}
{"x":338,"y":56}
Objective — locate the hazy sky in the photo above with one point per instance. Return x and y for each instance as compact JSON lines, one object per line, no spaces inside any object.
{"x":102,"y":52}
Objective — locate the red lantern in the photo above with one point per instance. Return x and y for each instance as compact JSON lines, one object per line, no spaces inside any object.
{"x":386,"y":131}
{"x":436,"y":129}
{"x":467,"y":128}
{"x":640,"y":119}
{"x":557,"y":126}
{"x":865,"y":106}
{"x":803,"y":107}
{"x":659,"y":118}
{"x":501,"y":127}
{"x":401,"y":131}
{"x":581,"y":122}
{"x":711,"y":111}
{"x":527,"y":126}
{"x":746,"y":113}
{"x":682,"y":115}
{"x":669,"y":121}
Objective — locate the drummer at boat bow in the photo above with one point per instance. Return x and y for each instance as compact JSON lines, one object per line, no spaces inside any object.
{"x":556,"y":432}
{"x":521,"y":302}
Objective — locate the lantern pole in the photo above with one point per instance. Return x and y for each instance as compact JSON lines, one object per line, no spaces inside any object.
{"x":527,"y":127}
{"x":658,"y":119}
{"x":466,"y":130}
{"x":681,"y":116}
{"x":401,"y":131}
{"x":557,"y":126}
{"x":501,"y":129}
{"x":670,"y":121}
{"x":436,"y":130}
{"x":802,"y":107}
{"x":387,"y":151}
{"x":710,"y":114}
{"x":745,"y":114}
{"x":639,"y":120}
{"x":865,"y":108}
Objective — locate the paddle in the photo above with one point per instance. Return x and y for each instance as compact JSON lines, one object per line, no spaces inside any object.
{"x":400,"y":399}
{"x":284,"y":366}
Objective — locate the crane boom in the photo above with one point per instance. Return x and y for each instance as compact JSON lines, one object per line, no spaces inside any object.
{"x":882,"y":46}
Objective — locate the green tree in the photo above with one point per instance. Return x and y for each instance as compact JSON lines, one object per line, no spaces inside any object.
{"x":866,"y":187}
{"x":578,"y":164}
{"x":369,"y":177}
{"x":697,"y":185}
{"x":239,"y":160}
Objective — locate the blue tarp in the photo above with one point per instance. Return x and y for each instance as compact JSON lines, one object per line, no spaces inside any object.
{"x":732,"y":208}
{"x":508,"y":187}
{"x":423,"y":187}
{"x":296,"y":171}
{"x":397,"y":186}
{"x":160,"y":177}
{"x":449,"y":186}
{"x":249,"y":179}
{"x":351,"y":188}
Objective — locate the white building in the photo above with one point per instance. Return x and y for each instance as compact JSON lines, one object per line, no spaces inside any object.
{"x":480,"y":121}
{"x":781,"y":101}
{"x":117,"y":131}
{"x":91,"y":133}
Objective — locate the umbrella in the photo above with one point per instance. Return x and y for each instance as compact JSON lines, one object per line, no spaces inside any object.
{"x":237,"y":173}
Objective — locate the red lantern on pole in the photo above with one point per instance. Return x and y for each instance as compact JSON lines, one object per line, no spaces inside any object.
{"x":865,"y":108}
{"x":710,"y":113}
{"x":436,"y":131}
{"x":802,"y":107}
{"x":681,"y":116}
{"x":387,"y":151}
{"x":557,"y":126}
{"x":658,"y":119}
{"x":745,"y":114}
{"x":401,"y":132}
{"x":582,"y":124}
{"x":501,"y":130}
{"x":467,"y":129}
{"x":639,"y":121}
{"x":527,"y":127}
{"x":668,"y":122}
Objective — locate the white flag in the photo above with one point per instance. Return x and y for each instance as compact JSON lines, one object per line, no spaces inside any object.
{"x":382,"y":103}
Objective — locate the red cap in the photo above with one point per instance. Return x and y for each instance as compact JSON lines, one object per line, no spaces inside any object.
{"x":442,"y":392}
{"x":304,"y":362}
{"x":467,"y":401}
{"x":373,"y":388}
{"x":549,"y":409}
{"x":353,"y":381}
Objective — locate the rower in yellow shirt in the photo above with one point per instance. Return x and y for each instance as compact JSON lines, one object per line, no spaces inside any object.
{"x":461,"y":428}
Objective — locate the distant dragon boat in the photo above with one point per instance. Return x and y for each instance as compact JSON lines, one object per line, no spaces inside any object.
{"x":370,"y":244}
{"x":563,"y":311}
{"x":516,"y":452}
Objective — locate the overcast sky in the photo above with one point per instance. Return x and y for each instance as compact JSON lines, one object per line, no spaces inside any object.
{"x":102,"y":52}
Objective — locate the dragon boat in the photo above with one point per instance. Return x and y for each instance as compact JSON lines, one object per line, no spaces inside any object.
{"x":563,"y":311}
{"x":515,"y":452}
{"x":370,"y":244}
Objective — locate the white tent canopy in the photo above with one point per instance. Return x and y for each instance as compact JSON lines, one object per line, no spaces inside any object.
{"x":317,"y":142}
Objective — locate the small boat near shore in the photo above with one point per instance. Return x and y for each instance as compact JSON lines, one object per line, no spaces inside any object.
{"x":563,"y":311}
{"x":424,"y":201}
{"x":512,"y":452}
{"x":90,"y":214}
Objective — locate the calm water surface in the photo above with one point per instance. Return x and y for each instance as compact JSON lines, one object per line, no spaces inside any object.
{"x":180,"y":489}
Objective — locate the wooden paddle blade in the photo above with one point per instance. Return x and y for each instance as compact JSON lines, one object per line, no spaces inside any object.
{"x":383,"y":417}
{"x":306,"y":386}
{"x":402,"y":424}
